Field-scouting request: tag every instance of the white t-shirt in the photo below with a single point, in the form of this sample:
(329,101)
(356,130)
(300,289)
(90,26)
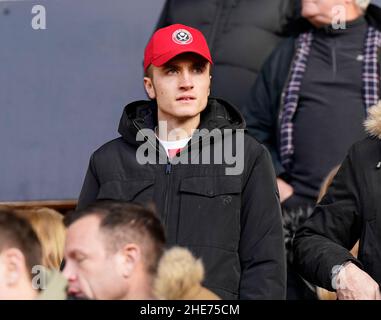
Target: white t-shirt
(173,145)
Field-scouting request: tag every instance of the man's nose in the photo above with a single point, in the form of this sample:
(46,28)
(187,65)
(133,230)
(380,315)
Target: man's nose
(68,271)
(186,80)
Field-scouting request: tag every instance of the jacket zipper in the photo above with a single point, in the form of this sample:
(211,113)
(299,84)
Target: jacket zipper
(334,62)
(168,170)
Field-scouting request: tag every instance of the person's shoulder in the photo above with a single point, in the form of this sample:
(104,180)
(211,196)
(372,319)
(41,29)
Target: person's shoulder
(285,47)
(369,147)
(373,16)
(109,148)
(369,142)
(279,61)
(365,150)
(253,147)
(251,141)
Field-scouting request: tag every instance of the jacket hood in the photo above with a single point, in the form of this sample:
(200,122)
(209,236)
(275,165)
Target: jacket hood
(143,115)
(179,277)
(373,121)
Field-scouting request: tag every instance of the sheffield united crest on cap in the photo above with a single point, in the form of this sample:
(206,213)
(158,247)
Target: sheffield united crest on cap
(182,36)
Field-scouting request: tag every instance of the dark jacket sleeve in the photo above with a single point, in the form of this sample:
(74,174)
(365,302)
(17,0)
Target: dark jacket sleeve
(262,252)
(262,106)
(325,239)
(90,187)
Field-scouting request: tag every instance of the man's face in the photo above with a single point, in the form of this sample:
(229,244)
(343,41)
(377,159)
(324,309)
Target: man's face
(3,277)
(180,87)
(319,12)
(91,271)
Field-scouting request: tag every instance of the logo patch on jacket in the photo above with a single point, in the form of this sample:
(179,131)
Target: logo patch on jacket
(226,200)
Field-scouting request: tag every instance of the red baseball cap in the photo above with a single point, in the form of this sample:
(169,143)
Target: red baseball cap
(168,42)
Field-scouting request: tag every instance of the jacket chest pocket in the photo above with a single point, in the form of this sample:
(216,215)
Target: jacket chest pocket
(140,191)
(210,211)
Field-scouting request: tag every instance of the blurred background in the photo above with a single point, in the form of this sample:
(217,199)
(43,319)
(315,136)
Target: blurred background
(63,89)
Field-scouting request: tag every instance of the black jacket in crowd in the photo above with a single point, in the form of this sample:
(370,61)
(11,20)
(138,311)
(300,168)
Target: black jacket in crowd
(350,211)
(240,34)
(262,111)
(233,222)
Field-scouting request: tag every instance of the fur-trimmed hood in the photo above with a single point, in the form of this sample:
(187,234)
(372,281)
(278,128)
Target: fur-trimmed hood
(179,277)
(373,121)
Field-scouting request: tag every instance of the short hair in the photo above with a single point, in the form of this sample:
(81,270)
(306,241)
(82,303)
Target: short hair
(148,73)
(50,230)
(16,232)
(125,222)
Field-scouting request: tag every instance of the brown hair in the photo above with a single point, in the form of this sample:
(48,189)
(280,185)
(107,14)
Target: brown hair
(16,232)
(148,73)
(125,222)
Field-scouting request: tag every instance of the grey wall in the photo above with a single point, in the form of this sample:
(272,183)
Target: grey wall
(62,90)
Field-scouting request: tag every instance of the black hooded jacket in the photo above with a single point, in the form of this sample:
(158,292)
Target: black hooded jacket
(231,221)
(350,211)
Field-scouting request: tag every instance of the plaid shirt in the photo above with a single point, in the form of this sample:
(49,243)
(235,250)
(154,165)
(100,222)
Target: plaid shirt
(370,80)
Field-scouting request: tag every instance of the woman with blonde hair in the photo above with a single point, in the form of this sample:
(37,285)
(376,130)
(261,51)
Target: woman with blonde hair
(48,225)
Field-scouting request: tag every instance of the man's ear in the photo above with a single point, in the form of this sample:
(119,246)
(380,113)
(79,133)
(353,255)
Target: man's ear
(210,84)
(148,86)
(14,265)
(129,258)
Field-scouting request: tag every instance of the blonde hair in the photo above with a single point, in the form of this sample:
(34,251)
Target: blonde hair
(179,277)
(372,123)
(363,4)
(327,182)
(50,230)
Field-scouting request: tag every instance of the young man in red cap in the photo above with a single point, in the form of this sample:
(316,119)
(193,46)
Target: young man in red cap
(213,186)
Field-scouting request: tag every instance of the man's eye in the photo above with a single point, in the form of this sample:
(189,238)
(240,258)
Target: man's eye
(199,69)
(171,71)
(80,259)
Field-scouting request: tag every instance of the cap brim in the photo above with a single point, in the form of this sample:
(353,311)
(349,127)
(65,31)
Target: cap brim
(161,60)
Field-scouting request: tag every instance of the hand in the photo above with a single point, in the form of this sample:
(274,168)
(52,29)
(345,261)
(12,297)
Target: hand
(285,190)
(355,284)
